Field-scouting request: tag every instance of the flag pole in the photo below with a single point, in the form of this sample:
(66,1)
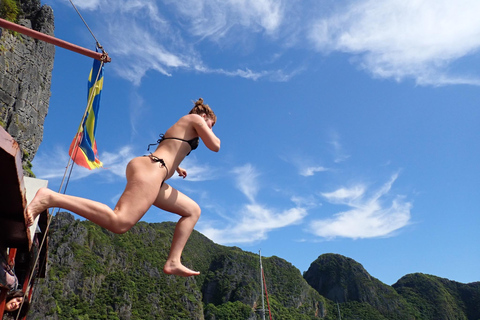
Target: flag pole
(102,56)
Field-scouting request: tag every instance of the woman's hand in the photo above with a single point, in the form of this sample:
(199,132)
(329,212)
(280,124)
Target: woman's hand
(182,172)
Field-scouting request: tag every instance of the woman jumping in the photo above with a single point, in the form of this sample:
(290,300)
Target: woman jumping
(146,186)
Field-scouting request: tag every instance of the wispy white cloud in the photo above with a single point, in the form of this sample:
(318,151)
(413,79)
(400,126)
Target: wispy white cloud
(116,162)
(144,35)
(51,165)
(310,171)
(349,196)
(338,151)
(253,221)
(304,163)
(145,8)
(139,49)
(411,39)
(246,178)
(86,4)
(368,217)
(247,74)
(136,108)
(404,38)
(215,18)
(305,201)
(197,171)
(277,75)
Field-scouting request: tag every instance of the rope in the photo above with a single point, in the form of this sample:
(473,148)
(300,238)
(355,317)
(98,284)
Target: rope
(266,293)
(69,164)
(96,41)
(65,178)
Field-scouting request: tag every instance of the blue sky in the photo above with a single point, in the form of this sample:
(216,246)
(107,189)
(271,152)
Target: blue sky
(347,126)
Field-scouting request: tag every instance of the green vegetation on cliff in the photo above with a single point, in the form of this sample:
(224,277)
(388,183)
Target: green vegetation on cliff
(9,10)
(95,274)
(437,298)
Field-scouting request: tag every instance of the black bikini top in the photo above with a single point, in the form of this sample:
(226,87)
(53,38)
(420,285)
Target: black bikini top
(193,143)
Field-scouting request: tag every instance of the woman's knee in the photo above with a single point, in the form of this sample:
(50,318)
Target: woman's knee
(121,226)
(195,211)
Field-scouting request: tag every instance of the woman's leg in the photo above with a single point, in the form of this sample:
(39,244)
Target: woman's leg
(143,184)
(172,200)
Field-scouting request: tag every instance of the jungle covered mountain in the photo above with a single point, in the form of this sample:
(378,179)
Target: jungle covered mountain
(95,274)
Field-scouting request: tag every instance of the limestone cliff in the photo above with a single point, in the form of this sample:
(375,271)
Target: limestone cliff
(415,296)
(342,280)
(95,274)
(26,68)
(439,298)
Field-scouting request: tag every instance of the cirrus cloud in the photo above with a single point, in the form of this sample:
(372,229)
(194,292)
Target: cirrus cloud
(404,38)
(368,217)
(253,221)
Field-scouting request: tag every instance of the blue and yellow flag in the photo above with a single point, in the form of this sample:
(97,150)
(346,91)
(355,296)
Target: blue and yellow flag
(85,152)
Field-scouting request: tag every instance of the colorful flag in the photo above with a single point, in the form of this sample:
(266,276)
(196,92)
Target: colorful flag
(85,152)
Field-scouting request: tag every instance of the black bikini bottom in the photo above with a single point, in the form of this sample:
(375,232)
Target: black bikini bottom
(160,160)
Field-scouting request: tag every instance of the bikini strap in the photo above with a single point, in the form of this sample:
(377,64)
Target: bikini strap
(162,137)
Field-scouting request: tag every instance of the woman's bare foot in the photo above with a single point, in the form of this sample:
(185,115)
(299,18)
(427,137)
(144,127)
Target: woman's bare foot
(39,204)
(178,269)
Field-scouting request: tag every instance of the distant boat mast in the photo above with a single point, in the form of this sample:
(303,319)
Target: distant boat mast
(261,281)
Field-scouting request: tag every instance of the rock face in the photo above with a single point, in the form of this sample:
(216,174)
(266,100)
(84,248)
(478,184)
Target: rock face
(439,298)
(89,277)
(95,274)
(414,296)
(26,68)
(338,278)
(343,280)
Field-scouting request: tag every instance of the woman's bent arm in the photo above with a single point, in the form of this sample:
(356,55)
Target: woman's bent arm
(208,137)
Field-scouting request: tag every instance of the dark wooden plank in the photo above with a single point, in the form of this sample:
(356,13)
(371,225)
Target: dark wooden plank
(13,232)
